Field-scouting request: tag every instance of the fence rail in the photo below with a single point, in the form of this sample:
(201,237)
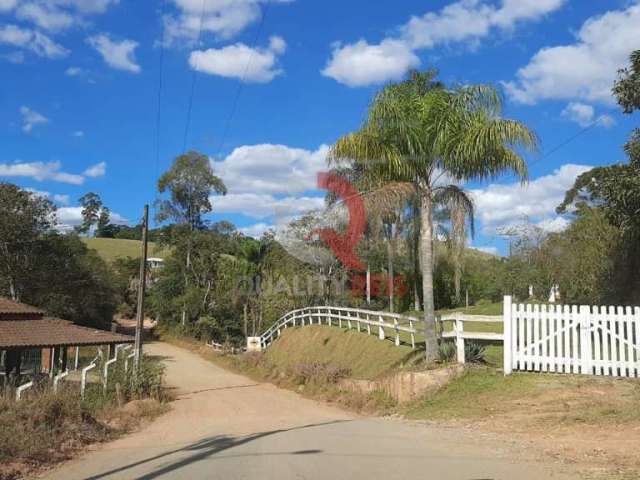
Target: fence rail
(384,324)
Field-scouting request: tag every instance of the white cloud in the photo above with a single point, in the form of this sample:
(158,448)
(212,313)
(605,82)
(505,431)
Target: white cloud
(45,16)
(117,54)
(360,64)
(78,133)
(40,171)
(240,61)
(467,21)
(271,169)
(584,115)
(471,20)
(222,18)
(502,205)
(256,230)
(31,40)
(584,70)
(55,15)
(73,71)
(58,198)
(580,113)
(256,205)
(31,118)
(69,217)
(7,5)
(97,170)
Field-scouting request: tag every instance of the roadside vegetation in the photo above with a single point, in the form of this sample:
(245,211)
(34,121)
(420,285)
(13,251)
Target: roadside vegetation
(47,427)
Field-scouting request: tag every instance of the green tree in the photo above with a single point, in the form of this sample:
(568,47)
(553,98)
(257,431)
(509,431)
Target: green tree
(103,223)
(91,204)
(415,137)
(41,267)
(24,219)
(190,183)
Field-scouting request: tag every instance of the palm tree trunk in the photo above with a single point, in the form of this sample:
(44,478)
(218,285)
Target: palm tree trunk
(368,284)
(426,253)
(390,268)
(415,241)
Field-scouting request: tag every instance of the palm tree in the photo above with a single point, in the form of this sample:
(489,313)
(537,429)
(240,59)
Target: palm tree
(422,139)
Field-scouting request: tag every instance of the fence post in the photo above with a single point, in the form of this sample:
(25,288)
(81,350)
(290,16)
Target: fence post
(413,335)
(380,328)
(77,359)
(106,372)
(22,388)
(508,336)
(586,360)
(83,381)
(57,379)
(459,338)
(395,326)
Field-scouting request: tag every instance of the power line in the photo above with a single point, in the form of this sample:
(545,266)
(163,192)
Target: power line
(234,105)
(160,86)
(194,77)
(561,145)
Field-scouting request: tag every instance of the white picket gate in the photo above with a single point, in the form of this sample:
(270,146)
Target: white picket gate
(575,339)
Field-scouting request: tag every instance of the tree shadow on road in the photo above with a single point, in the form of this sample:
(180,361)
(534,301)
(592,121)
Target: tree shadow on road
(204,449)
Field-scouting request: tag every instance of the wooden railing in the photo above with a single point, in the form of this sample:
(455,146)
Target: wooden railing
(386,325)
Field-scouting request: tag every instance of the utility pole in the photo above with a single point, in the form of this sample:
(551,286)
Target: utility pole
(141,289)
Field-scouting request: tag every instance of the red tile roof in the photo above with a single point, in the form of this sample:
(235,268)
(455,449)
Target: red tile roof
(53,332)
(10,308)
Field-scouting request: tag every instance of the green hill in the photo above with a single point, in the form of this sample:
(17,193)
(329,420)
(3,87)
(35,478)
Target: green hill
(111,248)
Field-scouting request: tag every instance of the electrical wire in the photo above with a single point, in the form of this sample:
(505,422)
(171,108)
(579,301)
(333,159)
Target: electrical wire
(194,77)
(159,102)
(234,105)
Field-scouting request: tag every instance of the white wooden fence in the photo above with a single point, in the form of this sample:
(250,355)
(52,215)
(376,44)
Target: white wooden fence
(385,325)
(591,340)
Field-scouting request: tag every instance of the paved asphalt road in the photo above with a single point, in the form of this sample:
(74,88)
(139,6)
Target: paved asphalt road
(225,426)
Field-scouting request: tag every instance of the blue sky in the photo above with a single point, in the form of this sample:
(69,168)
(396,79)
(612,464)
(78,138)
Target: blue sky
(276,82)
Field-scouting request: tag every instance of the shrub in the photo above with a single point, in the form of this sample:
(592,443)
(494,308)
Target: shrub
(474,352)
(446,351)
(316,372)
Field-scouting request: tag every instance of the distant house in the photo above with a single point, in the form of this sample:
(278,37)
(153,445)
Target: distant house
(155,262)
(31,342)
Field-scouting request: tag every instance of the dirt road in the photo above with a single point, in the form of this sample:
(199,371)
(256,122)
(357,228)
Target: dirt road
(225,426)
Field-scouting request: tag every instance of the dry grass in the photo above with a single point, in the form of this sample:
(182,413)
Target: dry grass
(45,428)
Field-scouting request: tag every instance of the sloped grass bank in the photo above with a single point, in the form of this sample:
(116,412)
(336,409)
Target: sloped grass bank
(365,356)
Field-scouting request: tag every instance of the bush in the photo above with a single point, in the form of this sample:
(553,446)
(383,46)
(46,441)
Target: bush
(446,351)
(474,352)
(316,372)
